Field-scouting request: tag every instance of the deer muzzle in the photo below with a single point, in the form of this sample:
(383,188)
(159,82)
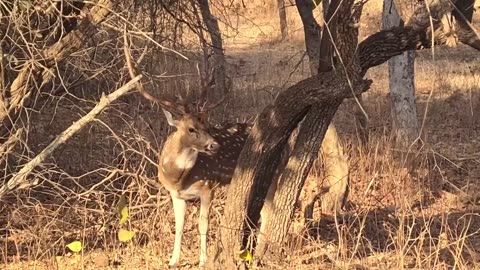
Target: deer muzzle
(211,148)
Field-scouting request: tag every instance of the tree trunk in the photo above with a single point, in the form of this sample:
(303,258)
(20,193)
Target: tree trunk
(312,33)
(218,57)
(402,86)
(262,152)
(282,13)
(311,133)
(336,164)
(335,184)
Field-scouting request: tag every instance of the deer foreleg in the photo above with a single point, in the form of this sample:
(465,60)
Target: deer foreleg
(203,225)
(179,208)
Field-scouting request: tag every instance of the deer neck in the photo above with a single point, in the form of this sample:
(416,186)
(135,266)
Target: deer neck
(176,161)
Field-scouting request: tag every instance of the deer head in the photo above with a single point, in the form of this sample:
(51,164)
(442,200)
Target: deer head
(192,126)
(193,131)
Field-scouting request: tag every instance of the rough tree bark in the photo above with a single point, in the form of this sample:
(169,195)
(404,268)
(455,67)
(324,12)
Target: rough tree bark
(282,14)
(312,32)
(402,86)
(327,60)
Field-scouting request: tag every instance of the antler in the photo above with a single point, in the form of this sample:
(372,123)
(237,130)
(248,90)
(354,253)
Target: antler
(202,104)
(168,105)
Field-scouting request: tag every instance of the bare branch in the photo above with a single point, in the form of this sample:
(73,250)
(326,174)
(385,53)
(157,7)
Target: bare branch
(20,178)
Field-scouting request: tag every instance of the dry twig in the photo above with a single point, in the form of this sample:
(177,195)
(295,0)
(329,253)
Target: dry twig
(20,179)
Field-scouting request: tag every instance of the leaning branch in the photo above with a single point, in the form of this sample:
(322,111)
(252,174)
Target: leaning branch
(20,179)
(383,45)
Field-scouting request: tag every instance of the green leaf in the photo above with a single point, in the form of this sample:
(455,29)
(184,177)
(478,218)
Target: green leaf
(246,255)
(75,246)
(125,235)
(123,215)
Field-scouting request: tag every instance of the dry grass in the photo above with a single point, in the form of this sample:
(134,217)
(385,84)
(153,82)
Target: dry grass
(425,219)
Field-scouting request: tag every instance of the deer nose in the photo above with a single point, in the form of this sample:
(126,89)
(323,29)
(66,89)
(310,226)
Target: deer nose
(212,147)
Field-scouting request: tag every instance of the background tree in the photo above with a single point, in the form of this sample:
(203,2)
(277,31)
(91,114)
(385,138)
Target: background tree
(402,85)
(218,57)
(282,14)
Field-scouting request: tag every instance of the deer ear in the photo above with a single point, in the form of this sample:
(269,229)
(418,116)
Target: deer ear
(169,117)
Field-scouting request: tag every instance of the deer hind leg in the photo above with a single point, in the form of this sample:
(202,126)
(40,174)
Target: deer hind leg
(205,203)
(179,208)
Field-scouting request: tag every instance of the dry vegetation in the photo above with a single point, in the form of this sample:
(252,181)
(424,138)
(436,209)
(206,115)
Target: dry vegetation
(425,219)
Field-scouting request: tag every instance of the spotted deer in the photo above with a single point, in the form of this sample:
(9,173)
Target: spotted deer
(195,159)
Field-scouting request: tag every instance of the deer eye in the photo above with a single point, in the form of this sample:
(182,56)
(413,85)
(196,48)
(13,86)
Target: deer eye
(192,130)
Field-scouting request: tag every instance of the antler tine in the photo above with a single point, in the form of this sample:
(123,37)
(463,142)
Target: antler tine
(168,105)
(209,107)
(131,69)
(203,87)
(182,101)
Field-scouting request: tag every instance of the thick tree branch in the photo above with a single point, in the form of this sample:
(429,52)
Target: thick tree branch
(383,45)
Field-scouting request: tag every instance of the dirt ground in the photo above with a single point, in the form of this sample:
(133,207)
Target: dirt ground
(426,219)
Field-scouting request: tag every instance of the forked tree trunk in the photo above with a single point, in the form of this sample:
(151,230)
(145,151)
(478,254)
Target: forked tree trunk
(310,136)
(282,14)
(336,164)
(321,96)
(282,197)
(402,86)
(261,155)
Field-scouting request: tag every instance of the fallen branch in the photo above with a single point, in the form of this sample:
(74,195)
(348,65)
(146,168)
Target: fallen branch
(20,179)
